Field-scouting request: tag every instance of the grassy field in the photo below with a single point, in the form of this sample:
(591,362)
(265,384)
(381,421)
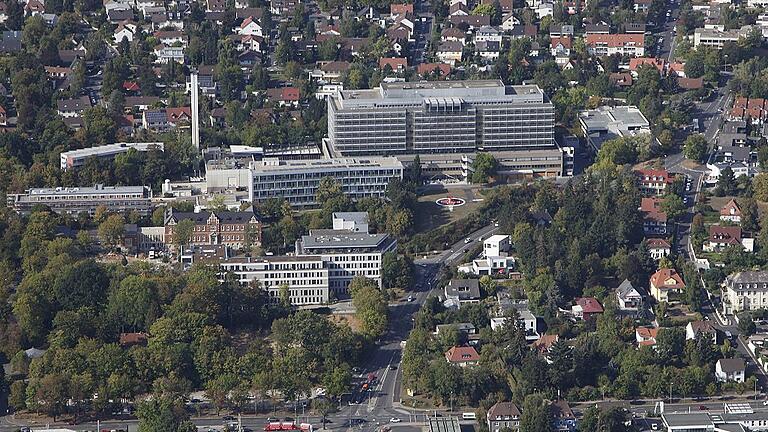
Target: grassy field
(430,215)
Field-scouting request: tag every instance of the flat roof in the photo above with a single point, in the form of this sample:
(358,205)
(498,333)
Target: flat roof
(410,94)
(272,259)
(98,189)
(275,164)
(109,148)
(687,419)
(318,239)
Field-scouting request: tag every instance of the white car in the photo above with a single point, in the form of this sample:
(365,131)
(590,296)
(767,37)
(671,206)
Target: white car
(394,420)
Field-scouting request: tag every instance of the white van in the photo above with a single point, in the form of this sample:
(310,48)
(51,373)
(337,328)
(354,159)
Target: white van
(469,416)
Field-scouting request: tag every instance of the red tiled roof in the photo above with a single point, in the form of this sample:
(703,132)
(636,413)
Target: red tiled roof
(400,9)
(396,63)
(462,354)
(647,175)
(651,207)
(726,210)
(616,40)
(722,234)
(659,278)
(657,243)
(589,305)
(427,68)
(566,41)
(179,113)
(545,342)
(635,63)
(690,83)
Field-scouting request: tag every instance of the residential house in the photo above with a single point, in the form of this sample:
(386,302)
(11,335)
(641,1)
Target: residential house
(471,21)
(171,38)
(460,291)
(179,116)
(166,54)
(654,218)
(453,34)
(629,297)
(284,96)
(560,46)
(653,182)
(664,282)
(464,328)
(156,120)
(488,33)
(621,79)
(124,30)
(526,319)
(73,107)
(721,237)
(544,344)
(458,9)
(3,116)
(586,308)
(488,50)
(450,52)
(465,356)
(137,104)
(503,415)
(731,212)
(630,44)
(637,62)
(250,27)
(441,69)
(397,65)
(509,21)
(331,72)
(646,336)
(396,9)
(695,329)
(563,419)
(495,258)
(730,370)
(658,248)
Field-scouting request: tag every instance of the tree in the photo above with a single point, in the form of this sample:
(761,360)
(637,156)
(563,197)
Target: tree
(484,167)
(536,416)
(759,186)
(695,147)
(324,407)
(673,206)
(727,182)
(749,215)
(182,232)
(619,151)
(17,396)
(370,306)
(746,324)
(112,230)
(162,414)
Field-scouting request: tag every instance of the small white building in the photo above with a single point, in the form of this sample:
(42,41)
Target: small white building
(629,297)
(730,370)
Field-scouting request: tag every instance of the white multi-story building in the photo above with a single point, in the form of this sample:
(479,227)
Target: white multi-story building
(77,158)
(747,290)
(73,201)
(717,37)
(297,180)
(348,254)
(349,249)
(306,277)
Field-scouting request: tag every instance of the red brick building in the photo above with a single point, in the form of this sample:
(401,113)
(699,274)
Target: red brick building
(217,228)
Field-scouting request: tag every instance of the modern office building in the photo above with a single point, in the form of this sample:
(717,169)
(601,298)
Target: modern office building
(77,158)
(717,37)
(73,201)
(297,180)
(439,117)
(348,253)
(306,277)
